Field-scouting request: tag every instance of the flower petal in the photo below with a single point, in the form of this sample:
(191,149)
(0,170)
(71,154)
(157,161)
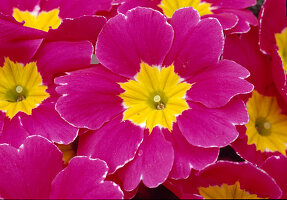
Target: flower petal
(84,178)
(28,172)
(93,104)
(116,143)
(197,43)
(45,121)
(218,84)
(187,156)
(126,40)
(13,132)
(59,57)
(69,29)
(151,164)
(205,127)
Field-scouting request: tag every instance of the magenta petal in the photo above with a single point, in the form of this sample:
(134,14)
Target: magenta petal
(28,172)
(249,152)
(245,19)
(187,156)
(10,29)
(196,45)
(205,127)
(69,29)
(60,57)
(251,178)
(267,26)
(17,42)
(11,181)
(236,4)
(215,86)
(6,6)
(84,178)
(45,121)
(93,104)
(13,132)
(276,167)
(129,4)
(244,49)
(116,143)
(125,41)
(227,20)
(152,163)
(78,8)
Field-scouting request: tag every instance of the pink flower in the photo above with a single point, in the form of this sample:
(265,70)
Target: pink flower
(165,77)
(28,97)
(45,15)
(265,133)
(35,171)
(273,40)
(226,180)
(233,15)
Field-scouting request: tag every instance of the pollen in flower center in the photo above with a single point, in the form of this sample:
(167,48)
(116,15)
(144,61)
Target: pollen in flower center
(156,97)
(38,20)
(21,88)
(267,126)
(170,6)
(262,126)
(281,41)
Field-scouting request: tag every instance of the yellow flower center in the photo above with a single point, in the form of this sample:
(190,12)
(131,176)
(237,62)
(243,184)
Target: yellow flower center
(38,20)
(281,40)
(156,97)
(226,192)
(267,127)
(170,6)
(21,88)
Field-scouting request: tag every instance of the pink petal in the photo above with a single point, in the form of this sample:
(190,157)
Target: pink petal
(45,121)
(116,143)
(187,156)
(151,164)
(244,49)
(78,8)
(268,27)
(249,152)
(69,29)
(218,84)
(6,6)
(28,172)
(84,178)
(59,57)
(251,178)
(93,104)
(129,4)
(17,42)
(236,4)
(13,132)
(126,40)
(227,20)
(205,127)
(245,19)
(276,167)
(196,45)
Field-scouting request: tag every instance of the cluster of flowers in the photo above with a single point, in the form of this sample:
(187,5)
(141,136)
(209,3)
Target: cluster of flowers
(97,96)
